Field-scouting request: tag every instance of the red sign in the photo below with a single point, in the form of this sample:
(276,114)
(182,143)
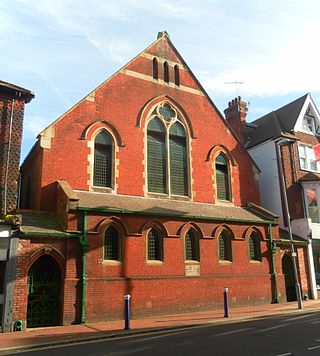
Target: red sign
(316,149)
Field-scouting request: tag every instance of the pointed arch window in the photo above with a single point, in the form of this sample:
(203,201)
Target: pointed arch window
(155,245)
(112,244)
(222,177)
(166,72)
(176,75)
(167,154)
(155,71)
(157,157)
(225,248)
(254,247)
(103,160)
(192,246)
(178,160)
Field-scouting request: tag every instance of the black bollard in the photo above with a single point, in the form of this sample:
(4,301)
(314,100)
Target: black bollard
(226,304)
(127,312)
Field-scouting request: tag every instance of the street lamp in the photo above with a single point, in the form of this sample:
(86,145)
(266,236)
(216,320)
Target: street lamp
(286,142)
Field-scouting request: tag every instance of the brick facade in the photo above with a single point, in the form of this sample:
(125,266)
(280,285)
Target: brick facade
(154,288)
(12,101)
(122,106)
(273,141)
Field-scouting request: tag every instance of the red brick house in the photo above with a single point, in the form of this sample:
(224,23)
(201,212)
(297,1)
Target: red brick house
(142,188)
(12,102)
(283,140)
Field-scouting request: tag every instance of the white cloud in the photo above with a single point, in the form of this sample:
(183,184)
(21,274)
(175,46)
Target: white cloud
(293,68)
(34,125)
(61,48)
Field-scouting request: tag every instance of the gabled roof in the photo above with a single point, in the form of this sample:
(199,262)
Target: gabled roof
(16,91)
(277,123)
(162,37)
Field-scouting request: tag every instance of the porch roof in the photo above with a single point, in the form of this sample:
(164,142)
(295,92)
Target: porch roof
(172,207)
(38,222)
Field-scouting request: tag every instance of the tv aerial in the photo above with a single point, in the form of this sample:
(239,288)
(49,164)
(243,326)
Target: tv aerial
(236,83)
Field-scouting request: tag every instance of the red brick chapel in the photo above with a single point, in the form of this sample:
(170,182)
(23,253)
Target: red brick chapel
(142,188)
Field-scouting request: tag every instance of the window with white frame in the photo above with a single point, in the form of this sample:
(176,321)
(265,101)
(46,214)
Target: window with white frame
(308,124)
(312,202)
(307,158)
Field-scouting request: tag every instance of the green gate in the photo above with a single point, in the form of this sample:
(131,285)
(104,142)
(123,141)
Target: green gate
(44,293)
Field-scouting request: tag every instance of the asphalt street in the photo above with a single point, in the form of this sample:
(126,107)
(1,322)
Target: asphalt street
(269,336)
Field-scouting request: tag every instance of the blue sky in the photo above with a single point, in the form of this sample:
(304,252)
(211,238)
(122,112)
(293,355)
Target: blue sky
(63,49)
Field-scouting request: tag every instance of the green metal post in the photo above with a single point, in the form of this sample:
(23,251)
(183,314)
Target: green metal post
(272,247)
(84,246)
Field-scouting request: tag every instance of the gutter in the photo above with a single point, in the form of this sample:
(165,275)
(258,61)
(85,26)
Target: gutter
(53,234)
(272,249)
(296,243)
(227,219)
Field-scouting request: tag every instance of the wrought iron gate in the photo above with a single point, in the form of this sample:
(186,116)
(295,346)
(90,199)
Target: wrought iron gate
(44,293)
(287,270)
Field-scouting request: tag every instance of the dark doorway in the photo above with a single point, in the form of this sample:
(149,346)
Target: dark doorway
(44,293)
(287,270)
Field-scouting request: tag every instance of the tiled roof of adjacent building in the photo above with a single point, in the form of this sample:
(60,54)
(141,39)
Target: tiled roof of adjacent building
(274,124)
(285,237)
(16,91)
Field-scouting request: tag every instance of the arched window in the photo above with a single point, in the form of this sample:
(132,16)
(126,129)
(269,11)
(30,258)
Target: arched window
(167,154)
(155,68)
(112,244)
(222,177)
(178,160)
(157,157)
(155,245)
(192,246)
(254,247)
(166,72)
(176,75)
(225,248)
(103,160)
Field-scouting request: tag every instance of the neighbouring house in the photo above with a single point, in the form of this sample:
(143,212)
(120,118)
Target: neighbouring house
(12,102)
(142,188)
(283,140)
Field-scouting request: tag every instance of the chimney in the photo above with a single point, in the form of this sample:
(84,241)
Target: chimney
(236,113)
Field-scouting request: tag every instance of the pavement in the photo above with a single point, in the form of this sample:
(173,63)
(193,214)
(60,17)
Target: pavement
(33,338)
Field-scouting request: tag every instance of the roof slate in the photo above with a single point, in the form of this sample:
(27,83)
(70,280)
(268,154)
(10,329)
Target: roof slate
(158,206)
(39,222)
